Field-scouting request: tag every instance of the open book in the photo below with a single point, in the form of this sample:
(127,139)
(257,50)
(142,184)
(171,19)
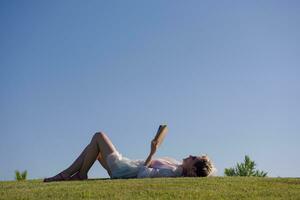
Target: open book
(160,135)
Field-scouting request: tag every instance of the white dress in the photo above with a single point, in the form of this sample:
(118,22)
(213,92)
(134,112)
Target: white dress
(122,167)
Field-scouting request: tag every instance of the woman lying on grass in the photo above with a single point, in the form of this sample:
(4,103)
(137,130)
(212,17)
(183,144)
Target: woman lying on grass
(117,166)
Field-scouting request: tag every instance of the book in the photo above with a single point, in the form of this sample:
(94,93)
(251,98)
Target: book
(160,135)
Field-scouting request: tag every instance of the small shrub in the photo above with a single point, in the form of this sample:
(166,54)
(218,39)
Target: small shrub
(20,176)
(245,169)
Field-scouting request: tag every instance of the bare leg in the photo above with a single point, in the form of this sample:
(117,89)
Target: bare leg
(100,144)
(71,170)
(103,163)
(99,147)
(76,165)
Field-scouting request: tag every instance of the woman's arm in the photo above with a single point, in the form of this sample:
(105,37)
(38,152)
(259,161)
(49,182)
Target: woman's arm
(159,137)
(154,146)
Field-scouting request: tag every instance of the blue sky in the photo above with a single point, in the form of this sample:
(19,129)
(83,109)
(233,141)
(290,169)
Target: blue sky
(224,76)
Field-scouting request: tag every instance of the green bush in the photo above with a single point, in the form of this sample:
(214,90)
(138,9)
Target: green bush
(20,176)
(245,169)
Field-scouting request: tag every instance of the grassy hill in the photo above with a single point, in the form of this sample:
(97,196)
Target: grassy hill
(157,188)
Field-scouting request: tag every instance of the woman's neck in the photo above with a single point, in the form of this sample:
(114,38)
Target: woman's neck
(182,170)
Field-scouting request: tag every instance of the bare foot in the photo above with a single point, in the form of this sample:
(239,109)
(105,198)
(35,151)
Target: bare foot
(58,177)
(77,177)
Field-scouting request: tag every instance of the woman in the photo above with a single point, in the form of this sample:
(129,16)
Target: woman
(117,166)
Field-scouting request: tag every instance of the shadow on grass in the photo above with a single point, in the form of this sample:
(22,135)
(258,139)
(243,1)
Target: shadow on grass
(98,179)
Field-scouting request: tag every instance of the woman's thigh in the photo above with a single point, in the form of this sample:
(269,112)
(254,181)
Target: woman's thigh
(105,145)
(104,164)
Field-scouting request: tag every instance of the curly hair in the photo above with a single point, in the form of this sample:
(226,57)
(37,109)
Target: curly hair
(204,167)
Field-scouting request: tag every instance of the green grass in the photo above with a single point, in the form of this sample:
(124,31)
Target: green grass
(156,188)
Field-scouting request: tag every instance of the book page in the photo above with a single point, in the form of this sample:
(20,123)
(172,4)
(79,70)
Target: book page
(160,135)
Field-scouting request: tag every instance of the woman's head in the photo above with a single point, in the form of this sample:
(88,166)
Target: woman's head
(197,166)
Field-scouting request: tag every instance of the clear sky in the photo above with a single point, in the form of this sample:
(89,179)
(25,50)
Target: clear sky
(224,76)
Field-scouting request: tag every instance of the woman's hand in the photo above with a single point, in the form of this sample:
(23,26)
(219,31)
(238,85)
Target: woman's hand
(154,146)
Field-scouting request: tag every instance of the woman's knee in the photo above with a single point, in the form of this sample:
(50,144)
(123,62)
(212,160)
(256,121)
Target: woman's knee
(104,142)
(99,135)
